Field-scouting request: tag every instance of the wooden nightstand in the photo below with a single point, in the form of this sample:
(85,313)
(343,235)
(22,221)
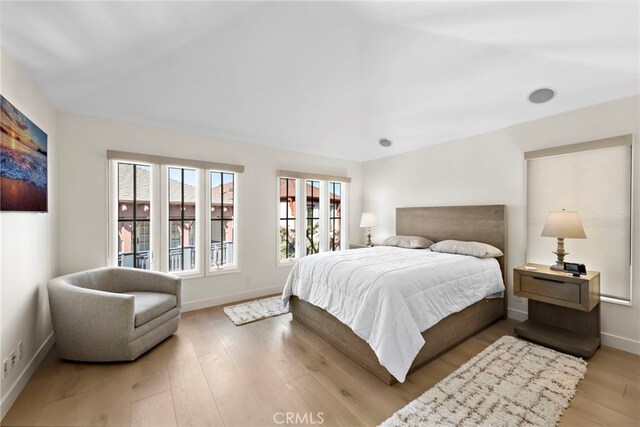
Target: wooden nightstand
(564,311)
(359,246)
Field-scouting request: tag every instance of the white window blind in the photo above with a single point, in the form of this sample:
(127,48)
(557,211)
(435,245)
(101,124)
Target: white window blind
(597,184)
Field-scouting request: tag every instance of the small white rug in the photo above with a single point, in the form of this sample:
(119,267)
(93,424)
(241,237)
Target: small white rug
(251,311)
(512,382)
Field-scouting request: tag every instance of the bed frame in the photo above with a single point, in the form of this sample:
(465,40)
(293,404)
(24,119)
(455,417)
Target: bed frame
(483,223)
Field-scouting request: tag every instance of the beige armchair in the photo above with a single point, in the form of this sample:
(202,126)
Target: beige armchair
(113,313)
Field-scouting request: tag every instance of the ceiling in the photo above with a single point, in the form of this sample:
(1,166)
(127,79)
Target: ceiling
(328,78)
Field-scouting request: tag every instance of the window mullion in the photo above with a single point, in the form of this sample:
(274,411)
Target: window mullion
(114,226)
(197,221)
(290,219)
(134,228)
(208,218)
(182,208)
(323,214)
(301,218)
(344,216)
(165,246)
(155,216)
(222,235)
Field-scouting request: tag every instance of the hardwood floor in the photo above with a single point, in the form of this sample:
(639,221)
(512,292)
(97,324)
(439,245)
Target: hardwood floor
(214,373)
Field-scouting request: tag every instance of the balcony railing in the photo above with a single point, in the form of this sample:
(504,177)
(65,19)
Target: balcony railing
(175,258)
(126,259)
(219,257)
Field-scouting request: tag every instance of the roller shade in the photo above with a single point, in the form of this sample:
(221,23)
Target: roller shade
(593,179)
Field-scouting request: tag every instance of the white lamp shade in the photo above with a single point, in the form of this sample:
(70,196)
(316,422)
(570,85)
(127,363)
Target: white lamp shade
(368,220)
(564,224)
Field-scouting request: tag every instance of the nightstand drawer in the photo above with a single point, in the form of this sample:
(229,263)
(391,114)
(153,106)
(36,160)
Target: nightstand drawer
(550,288)
(538,282)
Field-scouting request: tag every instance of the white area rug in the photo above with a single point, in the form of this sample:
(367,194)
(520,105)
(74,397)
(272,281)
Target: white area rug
(251,311)
(512,382)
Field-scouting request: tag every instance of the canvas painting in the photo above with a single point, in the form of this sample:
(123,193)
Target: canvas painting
(23,162)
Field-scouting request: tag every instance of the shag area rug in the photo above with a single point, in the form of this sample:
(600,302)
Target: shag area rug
(510,383)
(251,311)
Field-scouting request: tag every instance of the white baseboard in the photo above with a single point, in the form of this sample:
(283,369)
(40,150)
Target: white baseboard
(226,299)
(518,315)
(25,375)
(621,343)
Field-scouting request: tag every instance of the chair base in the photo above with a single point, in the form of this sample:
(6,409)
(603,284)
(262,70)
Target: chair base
(129,352)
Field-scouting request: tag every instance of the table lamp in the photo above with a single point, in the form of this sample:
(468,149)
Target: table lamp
(563,225)
(368,220)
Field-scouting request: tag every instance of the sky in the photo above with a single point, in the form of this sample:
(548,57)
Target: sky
(25,131)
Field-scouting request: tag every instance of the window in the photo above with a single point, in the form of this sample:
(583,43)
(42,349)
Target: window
(222,186)
(287,215)
(335,213)
(313,217)
(594,179)
(134,215)
(183,210)
(182,219)
(321,225)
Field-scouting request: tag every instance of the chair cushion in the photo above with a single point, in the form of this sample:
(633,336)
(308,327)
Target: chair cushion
(149,305)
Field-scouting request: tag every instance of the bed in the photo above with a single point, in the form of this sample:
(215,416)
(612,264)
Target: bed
(336,282)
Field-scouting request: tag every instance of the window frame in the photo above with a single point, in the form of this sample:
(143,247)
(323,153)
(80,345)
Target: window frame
(113,216)
(165,220)
(296,220)
(231,268)
(330,244)
(323,222)
(159,218)
(312,218)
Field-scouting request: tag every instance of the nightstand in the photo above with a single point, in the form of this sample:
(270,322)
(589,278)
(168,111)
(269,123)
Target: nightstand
(564,311)
(359,246)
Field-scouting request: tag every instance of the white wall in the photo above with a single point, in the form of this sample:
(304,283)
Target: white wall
(83,199)
(28,244)
(490,168)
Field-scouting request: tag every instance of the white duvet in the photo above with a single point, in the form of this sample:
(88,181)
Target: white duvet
(389,295)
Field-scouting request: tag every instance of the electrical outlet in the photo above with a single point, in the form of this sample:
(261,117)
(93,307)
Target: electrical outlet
(20,350)
(249,281)
(13,359)
(5,368)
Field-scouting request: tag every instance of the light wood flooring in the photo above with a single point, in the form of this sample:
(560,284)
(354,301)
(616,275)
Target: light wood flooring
(214,373)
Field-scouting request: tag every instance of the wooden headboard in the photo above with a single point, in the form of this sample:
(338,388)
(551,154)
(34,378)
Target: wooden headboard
(480,223)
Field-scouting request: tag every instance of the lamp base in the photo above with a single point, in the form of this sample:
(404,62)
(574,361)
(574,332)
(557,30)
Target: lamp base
(560,253)
(558,267)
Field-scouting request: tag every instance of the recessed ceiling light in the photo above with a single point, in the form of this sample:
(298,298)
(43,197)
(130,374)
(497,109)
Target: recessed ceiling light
(542,95)
(385,142)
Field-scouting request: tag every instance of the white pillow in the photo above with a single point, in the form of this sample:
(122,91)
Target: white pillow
(476,249)
(409,242)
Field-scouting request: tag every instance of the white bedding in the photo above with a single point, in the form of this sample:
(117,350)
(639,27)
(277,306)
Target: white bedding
(389,295)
